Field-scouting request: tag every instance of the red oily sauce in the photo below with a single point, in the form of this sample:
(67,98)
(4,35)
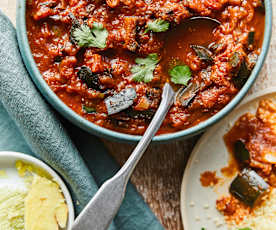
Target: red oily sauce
(209,178)
(258,133)
(233,42)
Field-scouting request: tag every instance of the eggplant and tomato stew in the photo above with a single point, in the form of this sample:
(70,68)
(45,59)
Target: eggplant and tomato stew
(92,53)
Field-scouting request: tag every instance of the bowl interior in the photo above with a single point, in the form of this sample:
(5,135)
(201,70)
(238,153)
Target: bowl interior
(7,162)
(106,133)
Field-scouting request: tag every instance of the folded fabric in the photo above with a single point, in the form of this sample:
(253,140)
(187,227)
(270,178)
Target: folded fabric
(48,140)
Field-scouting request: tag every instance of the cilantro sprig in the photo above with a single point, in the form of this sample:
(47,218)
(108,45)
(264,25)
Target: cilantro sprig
(143,71)
(90,37)
(88,109)
(180,74)
(158,25)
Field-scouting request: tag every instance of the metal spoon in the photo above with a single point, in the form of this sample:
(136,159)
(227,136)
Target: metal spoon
(206,18)
(101,210)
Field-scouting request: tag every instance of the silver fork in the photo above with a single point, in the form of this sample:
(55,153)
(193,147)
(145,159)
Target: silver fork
(101,210)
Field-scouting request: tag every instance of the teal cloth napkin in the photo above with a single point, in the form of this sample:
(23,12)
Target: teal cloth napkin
(29,125)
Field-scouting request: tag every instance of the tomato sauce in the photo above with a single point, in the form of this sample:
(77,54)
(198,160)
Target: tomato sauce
(209,178)
(59,59)
(258,133)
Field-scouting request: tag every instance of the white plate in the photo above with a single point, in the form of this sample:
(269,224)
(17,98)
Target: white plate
(198,203)
(12,180)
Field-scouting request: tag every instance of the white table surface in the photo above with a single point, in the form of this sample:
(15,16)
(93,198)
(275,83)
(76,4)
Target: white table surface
(8,6)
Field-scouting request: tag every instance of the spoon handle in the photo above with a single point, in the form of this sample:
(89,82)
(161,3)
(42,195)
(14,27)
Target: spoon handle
(101,210)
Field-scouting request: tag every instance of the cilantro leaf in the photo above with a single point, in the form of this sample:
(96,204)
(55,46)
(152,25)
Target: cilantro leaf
(180,74)
(88,109)
(87,37)
(143,71)
(157,25)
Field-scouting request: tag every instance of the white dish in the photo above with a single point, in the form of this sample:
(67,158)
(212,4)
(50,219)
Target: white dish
(198,203)
(12,180)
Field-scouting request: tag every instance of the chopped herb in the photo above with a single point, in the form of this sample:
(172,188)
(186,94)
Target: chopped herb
(251,38)
(245,229)
(235,59)
(88,109)
(157,25)
(120,101)
(143,71)
(180,74)
(84,36)
(203,53)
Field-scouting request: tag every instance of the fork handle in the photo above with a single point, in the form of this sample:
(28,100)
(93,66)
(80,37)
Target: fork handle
(101,210)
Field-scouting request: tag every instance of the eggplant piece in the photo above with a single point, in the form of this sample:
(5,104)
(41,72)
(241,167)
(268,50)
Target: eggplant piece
(91,79)
(203,53)
(261,5)
(58,59)
(186,95)
(146,115)
(248,187)
(251,38)
(235,59)
(122,122)
(241,152)
(120,101)
(75,25)
(88,110)
(213,47)
(48,4)
(242,75)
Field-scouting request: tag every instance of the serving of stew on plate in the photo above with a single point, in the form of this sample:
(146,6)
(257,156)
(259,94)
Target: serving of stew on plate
(252,145)
(109,59)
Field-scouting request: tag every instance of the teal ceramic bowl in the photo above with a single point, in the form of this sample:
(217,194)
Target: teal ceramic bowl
(116,136)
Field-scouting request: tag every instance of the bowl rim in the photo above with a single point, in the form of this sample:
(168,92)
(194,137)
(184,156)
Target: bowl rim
(92,128)
(30,159)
